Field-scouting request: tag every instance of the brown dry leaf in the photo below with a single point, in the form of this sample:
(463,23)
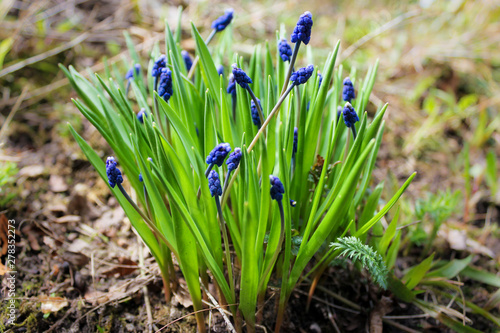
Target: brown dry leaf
(96,297)
(53,304)
(57,184)
(31,171)
(4,230)
(30,233)
(120,270)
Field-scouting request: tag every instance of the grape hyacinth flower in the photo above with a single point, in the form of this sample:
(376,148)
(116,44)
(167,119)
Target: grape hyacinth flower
(130,76)
(130,72)
(241,77)
(320,80)
(231,86)
(277,188)
(302,75)
(214,183)
(165,89)
(217,156)
(140,177)
(220,70)
(159,64)
(293,203)
(233,161)
(302,31)
(350,117)
(243,80)
(187,59)
(141,115)
(255,113)
(223,21)
(339,112)
(114,174)
(285,50)
(348,93)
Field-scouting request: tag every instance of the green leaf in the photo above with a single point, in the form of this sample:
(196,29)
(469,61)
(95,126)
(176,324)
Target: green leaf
(451,269)
(417,273)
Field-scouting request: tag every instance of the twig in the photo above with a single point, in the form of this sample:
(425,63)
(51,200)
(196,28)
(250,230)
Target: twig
(214,302)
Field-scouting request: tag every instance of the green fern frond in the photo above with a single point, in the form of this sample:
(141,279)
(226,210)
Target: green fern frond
(371,260)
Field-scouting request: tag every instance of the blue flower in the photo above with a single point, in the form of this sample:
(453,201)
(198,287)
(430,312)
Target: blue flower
(320,80)
(255,113)
(277,188)
(302,75)
(141,115)
(113,173)
(350,115)
(233,160)
(241,77)
(302,31)
(159,64)
(223,21)
(187,59)
(165,88)
(231,86)
(285,50)
(293,203)
(348,93)
(220,70)
(339,112)
(295,139)
(130,73)
(214,183)
(218,154)
(140,177)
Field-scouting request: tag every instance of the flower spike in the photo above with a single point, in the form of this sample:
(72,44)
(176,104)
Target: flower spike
(295,139)
(277,188)
(302,75)
(233,160)
(223,21)
(350,115)
(231,86)
(302,31)
(255,113)
(285,50)
(141,115)
(241,77)
(320,80)
(218,154)
(348,93)
(159,64)
(114,174)
(187,59)
(165,88)
(130,73)
(214,183)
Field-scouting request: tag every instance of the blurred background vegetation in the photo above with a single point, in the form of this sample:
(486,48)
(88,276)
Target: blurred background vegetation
(439,71)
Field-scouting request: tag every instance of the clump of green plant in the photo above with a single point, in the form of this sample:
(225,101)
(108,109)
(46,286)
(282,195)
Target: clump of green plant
(226,167)
(8,172)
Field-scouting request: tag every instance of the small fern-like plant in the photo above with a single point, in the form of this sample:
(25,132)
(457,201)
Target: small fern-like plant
(370,259)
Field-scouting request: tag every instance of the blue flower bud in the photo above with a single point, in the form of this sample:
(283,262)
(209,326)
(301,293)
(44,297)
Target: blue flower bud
(159,64)
(241,77)
(277,188)
(218,154)
(308,105)
(295,139)
(320,80)
(293,203)
(140,177)
(220,70)
(302,75)
(165,88)
(285,50)
(233,160)
(348,93)
(130,73)
(113,173)
(339,112)
(141,115)
(255,113)
(231,86)
(350,115)
(223,21)
(302,31)
(187,59)
(214,183)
